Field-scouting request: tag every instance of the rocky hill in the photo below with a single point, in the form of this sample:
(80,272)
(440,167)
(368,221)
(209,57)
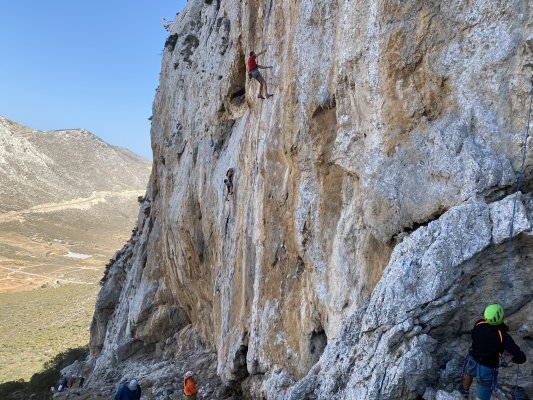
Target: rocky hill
(68,202)
(373,195)
(38,167)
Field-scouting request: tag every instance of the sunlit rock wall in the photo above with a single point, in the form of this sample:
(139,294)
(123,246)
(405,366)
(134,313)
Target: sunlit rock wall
(370,210)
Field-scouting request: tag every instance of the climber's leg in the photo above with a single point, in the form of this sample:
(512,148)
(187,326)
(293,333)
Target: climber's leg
(259,78)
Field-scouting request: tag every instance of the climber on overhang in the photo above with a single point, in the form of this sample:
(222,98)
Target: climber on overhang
(489,341)
(253,72)
(229,182)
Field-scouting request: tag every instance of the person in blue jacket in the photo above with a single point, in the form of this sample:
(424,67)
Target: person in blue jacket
(130,391)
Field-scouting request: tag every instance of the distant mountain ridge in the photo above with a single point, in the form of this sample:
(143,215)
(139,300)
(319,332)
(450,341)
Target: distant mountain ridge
(63,192)
(48,166)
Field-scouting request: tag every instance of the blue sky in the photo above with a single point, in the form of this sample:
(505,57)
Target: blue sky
(83,64)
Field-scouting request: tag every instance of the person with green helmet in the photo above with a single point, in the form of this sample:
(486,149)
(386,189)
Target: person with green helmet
(489,341)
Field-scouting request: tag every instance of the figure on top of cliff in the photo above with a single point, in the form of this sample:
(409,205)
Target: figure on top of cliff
(253,72)
(489,342)
(166,24)
(189,386)
(129,391)
(229,182)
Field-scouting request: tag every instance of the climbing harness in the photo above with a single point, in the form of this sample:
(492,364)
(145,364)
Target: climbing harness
(511,227)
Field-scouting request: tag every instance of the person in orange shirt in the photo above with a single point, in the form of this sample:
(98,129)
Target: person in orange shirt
(189,387)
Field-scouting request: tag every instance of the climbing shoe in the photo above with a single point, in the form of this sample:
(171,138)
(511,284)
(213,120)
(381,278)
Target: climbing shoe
(464,392)
(260,97)
(269,96)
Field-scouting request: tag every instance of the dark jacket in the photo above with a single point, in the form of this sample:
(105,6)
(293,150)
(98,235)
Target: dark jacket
(490,341)
(124,393)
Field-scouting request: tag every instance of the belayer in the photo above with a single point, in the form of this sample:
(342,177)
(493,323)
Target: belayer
(129,391)
(489,341)
(190,390)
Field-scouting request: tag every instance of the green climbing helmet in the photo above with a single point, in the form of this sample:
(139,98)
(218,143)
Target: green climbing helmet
(494,314)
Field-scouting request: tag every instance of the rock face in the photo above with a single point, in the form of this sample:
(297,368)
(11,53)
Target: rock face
(372,201)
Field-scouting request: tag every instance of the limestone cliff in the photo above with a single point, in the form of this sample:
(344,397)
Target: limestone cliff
(372,201)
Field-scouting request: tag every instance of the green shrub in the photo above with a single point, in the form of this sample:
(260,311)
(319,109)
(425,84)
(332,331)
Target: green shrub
(40,383)
(170,43)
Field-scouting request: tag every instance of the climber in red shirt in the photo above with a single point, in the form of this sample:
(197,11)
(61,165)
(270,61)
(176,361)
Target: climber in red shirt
(253,72)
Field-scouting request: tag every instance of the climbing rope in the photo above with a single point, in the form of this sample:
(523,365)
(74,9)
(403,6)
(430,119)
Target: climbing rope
(511,227)
(515,390)
(518,184)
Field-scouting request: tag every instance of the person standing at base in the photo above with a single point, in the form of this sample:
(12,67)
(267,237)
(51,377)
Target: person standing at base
(253,72)
(489,341)
(63,385)
(130,391)
(189,386)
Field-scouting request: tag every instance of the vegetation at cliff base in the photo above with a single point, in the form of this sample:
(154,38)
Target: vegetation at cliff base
(40,383)
(36,325)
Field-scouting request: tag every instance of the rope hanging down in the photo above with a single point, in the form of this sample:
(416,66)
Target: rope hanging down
(515,390)
(511,227)
(518,184)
